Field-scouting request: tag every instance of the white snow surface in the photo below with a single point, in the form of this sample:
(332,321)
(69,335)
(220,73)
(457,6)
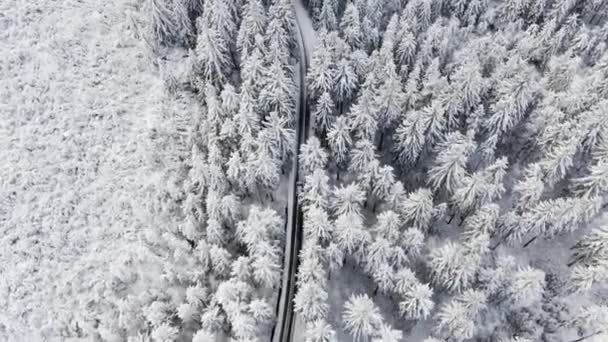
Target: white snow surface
(306,27)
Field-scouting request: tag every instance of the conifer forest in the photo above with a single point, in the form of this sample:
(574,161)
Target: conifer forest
(304,170)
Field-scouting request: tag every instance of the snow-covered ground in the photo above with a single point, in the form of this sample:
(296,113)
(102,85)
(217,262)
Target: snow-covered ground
(78,100)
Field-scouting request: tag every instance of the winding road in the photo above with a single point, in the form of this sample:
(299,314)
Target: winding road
(283,329)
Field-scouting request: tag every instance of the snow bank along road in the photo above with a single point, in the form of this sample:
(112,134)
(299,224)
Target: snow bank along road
(282,331)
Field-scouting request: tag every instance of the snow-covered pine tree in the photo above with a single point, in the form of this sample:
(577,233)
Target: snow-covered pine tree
(213,51)
(339,139)
(350,25)
(361,317)
(417,302)
(317,226)
(169,22)
(449,166)
(277,92)
(320,331)
(312,156)
(346,82)
(592,248)
(323,113)
(553,217)
(456,319)
(529,189)
(348,200)
(254,23)
(363,115)
(350,234)
(311,301)
(455,265)
(321,75)
(417,208)
(481,187)
(326,17)
(277,137)
(526,287)
(316,190)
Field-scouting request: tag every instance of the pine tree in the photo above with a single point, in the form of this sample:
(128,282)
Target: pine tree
(335,256)
(417,208)
(530,188)
(417,302)
(404,280)
(321,75)
(527,286)
(412,241)
(316,224)
(326,18)
(553,217)
(212,52)
(449,166)
(383,277)
(388,334)
(595,183)
(592,248)
(320,331)
(361,317)
(323,114)
(277,137)
(266,170)
(456,319)
(345,82)
(350,25)
(348,199)
(483,221)
(515,91)
(316,190)
(406,47)
(169,22)
(350,234)
(388,225)
(390,96)
(312,156)
(363,155)
(311,301)
(582,278)
(481,187)
(278,90)
(261,311)
(363,116)
(454,266)
(203,336)
(254,23)
(339,139)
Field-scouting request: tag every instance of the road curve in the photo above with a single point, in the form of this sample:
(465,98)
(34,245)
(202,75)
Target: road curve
(283,329)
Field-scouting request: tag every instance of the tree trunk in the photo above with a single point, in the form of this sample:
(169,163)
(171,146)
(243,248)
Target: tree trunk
(571,263)
(503,239)
(451,218)
(530,241)
(588,336)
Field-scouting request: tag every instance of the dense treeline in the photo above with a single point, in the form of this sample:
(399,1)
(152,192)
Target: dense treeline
(454,138)
(227,246)
(454,143)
